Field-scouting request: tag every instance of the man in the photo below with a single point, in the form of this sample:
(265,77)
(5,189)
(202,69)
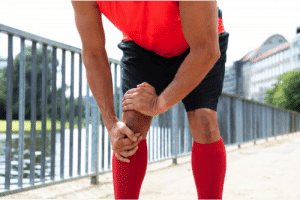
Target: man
(172,51)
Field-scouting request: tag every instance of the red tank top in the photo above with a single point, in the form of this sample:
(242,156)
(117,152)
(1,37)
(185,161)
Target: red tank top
(153,25)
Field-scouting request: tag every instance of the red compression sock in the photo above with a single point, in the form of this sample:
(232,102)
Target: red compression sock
(209,168)
(128,177)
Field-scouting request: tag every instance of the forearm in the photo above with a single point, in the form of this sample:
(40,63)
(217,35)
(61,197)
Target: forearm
(189,75)
(99,78)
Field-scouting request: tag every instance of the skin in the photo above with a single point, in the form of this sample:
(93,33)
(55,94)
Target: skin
(141,104)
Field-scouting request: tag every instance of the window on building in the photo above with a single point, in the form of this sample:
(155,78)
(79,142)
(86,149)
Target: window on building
(259,76)
(271,72)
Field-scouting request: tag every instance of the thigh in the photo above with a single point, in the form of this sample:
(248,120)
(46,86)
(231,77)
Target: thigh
(207,93)
(140,65)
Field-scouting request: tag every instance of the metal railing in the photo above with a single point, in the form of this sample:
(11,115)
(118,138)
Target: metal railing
(169,137)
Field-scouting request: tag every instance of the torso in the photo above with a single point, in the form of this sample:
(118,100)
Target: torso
(153,25)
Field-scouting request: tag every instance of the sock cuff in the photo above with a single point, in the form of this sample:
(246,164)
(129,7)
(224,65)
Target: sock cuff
(216,145)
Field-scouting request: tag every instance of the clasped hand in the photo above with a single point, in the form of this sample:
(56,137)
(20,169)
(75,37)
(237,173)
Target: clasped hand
(124,141)
(142,99)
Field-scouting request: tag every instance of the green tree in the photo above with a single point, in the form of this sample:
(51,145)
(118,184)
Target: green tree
(286,93)
(16,68)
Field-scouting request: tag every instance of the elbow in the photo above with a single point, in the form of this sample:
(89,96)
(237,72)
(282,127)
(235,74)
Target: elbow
(209,55)
(94,58)
(93,52)
(213,54)
(217,54)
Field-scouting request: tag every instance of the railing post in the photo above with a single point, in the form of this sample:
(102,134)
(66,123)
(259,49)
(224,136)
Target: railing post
(21,113)
(62,113)
(33,113)
(87,124)
(9,112)
(53,115)
(175,132)
(95,142)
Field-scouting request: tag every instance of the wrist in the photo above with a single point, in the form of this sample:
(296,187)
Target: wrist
(109,122)
(161,105)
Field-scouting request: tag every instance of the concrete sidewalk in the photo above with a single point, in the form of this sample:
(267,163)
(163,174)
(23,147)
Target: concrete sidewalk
(267,170)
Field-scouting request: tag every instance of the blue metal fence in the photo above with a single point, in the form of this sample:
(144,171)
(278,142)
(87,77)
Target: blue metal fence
(61,152)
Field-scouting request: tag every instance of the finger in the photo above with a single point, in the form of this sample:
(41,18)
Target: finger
(127,101)
(127,96)
(126,142)
(131,91)
(144,84)
(133,145)
(128,107)
(126,154)
(141,85)
(126,131)
(147,87)
(120,158)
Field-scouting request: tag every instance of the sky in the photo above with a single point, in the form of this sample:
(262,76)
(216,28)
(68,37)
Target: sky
(249,23)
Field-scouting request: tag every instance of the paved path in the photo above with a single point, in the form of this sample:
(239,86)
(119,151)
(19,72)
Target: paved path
(268,170)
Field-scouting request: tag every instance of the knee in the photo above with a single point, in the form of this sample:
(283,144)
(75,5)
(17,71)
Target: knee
(136,121)
(204,125)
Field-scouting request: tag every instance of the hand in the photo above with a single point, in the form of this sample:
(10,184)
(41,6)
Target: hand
(124,141)
(142,99)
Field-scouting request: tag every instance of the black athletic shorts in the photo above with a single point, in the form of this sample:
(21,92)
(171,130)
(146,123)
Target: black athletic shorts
(140,65)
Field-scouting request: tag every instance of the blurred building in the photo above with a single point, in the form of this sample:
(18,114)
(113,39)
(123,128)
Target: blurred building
(295,57)
(268,62)
(233,80)
(229,85)
(255,73)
